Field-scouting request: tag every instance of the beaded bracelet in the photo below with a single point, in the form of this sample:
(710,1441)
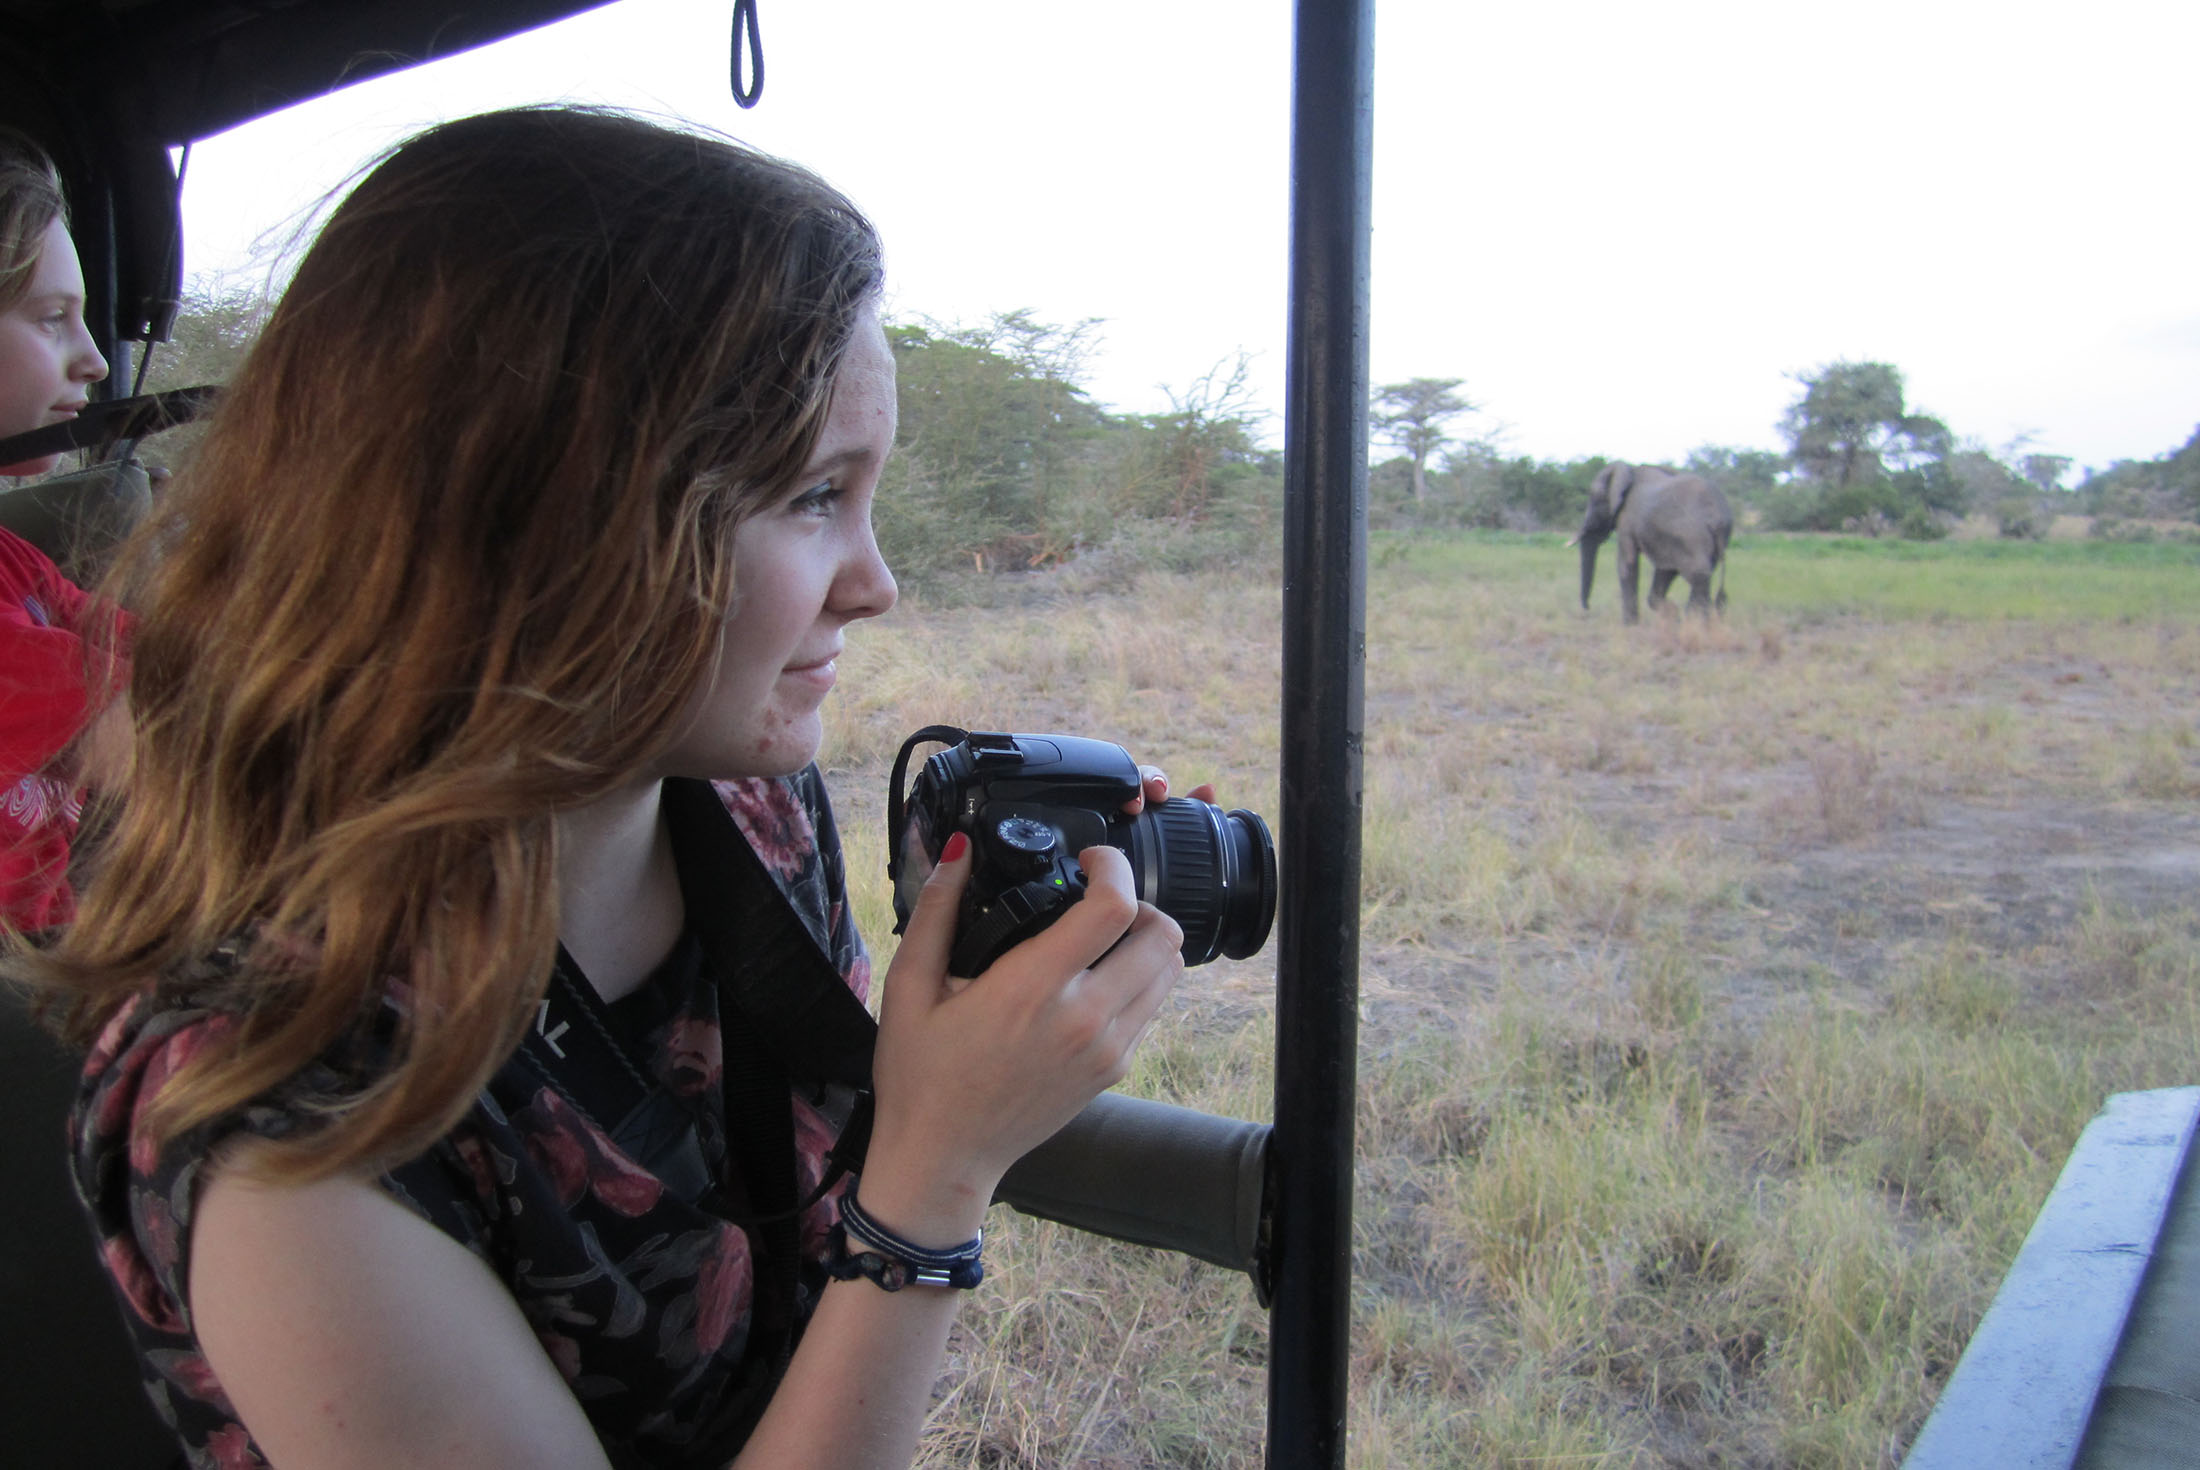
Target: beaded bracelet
(893,1262)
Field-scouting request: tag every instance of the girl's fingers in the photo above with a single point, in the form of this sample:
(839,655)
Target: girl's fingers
(1153,786)
(1151,957)
(930,933)
(1088,928)
(970,1081)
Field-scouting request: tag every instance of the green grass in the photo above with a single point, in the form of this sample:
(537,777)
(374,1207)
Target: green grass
(1782,575)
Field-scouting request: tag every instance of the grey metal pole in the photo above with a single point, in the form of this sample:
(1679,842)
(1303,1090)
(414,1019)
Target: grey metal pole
(1324,649)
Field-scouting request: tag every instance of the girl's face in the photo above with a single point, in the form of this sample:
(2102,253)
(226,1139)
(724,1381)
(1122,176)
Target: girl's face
(47,359)
(805,567)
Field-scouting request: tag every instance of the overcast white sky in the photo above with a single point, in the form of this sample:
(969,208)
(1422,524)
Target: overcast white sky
(1625,226)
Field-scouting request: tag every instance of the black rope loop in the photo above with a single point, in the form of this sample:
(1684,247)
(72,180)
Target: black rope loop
(744,19)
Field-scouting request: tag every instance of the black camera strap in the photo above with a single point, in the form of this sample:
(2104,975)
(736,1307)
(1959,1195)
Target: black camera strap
(786,1016)
(774,968)
(785,1013)
(575,1046)
(782,1003)
(897,792)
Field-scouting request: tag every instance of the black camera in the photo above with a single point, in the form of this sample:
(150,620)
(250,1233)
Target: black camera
(1030,804)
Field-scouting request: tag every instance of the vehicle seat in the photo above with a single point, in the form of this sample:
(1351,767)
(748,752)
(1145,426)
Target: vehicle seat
(79,519)
(69,1390)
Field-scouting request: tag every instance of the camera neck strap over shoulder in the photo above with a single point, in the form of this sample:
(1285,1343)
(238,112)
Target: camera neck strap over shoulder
(773,967)
(786,1012)
(774,980)
(786,1018)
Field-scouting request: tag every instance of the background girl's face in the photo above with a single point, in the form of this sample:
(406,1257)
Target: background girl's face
(805,567)
(47,359)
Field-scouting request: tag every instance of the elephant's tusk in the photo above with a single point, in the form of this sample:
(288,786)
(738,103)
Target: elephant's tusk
(1575,542)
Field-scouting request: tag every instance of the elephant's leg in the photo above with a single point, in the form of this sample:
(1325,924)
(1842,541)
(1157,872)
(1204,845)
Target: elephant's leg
(1630,576)
(1660,581)
(1699,593)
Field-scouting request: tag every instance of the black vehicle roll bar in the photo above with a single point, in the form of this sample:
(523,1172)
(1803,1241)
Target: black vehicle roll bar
(1277,1202)
(1324,652)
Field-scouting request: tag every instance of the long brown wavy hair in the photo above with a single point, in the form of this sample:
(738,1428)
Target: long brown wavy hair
(455,554)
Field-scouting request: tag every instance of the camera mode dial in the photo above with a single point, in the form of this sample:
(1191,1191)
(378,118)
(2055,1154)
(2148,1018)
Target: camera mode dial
(1026,836)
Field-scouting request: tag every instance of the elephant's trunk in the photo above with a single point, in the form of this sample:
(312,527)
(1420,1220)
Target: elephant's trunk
(1590,546)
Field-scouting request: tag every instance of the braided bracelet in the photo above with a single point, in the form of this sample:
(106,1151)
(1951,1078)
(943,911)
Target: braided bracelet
(893,1262)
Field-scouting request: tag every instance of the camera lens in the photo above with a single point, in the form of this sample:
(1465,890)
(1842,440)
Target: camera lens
(1213,872)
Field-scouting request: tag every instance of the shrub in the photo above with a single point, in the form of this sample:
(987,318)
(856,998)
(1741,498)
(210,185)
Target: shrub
(2022,518)
(1921,524)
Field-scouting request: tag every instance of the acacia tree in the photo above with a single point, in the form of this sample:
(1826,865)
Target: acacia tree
(994,406)
(992,417)
(2045,471)
(2168,485)
(1174,467)
(1003,461)
(1413,416)
(1851,423)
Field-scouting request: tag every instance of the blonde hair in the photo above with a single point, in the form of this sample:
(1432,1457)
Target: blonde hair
(30,201)
(456,553)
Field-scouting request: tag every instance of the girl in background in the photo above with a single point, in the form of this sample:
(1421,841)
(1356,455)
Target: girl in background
(48,363)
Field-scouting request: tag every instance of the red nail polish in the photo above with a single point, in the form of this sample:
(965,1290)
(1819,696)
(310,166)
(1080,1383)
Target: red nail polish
(957,845)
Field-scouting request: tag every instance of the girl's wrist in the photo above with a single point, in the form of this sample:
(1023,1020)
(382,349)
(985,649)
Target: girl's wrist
(930,1207)
(861,1246)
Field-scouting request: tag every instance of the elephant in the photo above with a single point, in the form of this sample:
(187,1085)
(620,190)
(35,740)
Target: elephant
(1681,522)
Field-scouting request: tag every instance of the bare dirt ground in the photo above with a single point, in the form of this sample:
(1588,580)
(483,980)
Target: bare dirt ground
(1854,850)
(2010,879)
(2011,876)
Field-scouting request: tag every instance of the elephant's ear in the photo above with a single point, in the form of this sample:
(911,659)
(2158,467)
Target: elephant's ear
(1600,489)
(1623,480)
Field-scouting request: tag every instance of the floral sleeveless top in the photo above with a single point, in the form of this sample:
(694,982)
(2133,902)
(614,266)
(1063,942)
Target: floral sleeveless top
(640,1294)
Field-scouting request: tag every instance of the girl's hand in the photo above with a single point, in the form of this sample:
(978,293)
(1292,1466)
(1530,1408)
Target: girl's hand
(1153,785)
(971,1077)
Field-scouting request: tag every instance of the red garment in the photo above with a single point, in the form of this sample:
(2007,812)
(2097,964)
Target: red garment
(42,702)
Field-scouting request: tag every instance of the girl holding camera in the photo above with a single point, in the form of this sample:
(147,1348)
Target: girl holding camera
(454,963)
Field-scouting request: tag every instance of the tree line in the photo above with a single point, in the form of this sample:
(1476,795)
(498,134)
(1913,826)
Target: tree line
(1004,462)
(1859,458)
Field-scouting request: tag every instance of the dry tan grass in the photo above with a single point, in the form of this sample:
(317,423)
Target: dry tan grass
(1731,996)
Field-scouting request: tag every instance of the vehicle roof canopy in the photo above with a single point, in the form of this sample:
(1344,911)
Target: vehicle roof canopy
(107,87)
